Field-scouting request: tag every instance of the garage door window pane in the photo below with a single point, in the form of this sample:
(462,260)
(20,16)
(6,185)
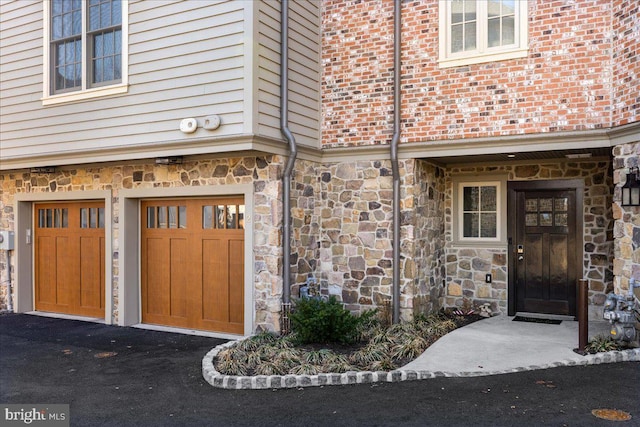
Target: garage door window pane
(90,218)
(84,218)
(207,217)
(65,217)
(241,217)
(173,217)
(151,217)
(93,218)
(57,218)
(223,217)
(182,217)
(220,216)
(53,218)
(162,217)
(232,217)
(60,218)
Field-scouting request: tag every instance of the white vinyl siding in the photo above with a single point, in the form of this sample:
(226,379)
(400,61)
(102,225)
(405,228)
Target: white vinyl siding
(304,71)
(20,59)
(185,59)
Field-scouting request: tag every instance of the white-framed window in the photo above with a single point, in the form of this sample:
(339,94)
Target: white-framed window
(479,211)
(85,49)
(477,31)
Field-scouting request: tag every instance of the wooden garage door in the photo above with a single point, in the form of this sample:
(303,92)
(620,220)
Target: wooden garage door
(69,258)
(193,263)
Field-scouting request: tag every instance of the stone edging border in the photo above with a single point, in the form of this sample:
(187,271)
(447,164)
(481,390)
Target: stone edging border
(258,382)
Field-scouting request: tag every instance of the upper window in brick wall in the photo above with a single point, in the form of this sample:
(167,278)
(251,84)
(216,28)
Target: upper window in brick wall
(476,31)
(84,51)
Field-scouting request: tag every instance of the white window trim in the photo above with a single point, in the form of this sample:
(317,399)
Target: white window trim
(501,217)
(84,93)
(483,54)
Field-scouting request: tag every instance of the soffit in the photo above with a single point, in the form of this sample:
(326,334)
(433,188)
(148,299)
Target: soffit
(525,156)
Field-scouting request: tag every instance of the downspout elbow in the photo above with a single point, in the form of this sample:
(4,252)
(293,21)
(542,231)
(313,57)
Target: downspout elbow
(293,148)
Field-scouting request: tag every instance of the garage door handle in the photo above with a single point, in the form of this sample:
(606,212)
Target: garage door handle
(520,258)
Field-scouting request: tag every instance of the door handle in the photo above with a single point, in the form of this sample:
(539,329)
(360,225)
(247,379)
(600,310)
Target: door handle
(520,258)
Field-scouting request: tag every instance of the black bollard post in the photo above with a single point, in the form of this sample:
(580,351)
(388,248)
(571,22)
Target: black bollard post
(583,316)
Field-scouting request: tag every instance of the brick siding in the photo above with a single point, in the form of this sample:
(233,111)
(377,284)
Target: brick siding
(564,84)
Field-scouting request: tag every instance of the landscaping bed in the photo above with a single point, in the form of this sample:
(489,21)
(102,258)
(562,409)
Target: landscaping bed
(370,346)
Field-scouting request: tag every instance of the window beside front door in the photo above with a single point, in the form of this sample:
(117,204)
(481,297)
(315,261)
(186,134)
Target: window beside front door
(86,50)
(478,212)
(476,31)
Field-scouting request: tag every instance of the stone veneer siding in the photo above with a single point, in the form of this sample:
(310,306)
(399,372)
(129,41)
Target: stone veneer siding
(354,216)
(466,267)
(354,209)
(342,233)
(342,227)
(341,223)
(305,239)
(626,264)
(429,253)
(263,172)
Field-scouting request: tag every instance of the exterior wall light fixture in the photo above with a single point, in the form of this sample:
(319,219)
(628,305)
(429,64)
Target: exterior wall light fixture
(631,188)
(172,160)
(44,169)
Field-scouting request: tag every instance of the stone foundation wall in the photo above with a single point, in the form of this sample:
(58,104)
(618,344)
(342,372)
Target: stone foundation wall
(342,226)
(466,267)
(4,281)
(466,270)
(305,240)
(355,213)
(626,264)
(263,172)
(429,237)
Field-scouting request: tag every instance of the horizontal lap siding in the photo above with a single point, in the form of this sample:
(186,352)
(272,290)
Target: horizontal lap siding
(20,59)
(185,60)
(304,75)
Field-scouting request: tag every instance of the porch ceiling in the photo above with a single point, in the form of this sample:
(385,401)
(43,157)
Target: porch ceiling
(524,156)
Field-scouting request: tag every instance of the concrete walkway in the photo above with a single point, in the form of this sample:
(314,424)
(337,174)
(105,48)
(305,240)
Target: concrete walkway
(499,344)
(489,347)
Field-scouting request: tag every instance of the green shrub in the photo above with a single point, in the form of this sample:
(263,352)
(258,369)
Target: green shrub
(319,321)
(318,357)
(370,354)
(601,344)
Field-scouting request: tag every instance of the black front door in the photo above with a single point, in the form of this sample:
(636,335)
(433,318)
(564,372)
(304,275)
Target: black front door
(545,246)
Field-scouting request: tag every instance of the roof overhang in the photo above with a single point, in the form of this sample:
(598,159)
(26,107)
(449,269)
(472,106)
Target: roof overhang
(575,145)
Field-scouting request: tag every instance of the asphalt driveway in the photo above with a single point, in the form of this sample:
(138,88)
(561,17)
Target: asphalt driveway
(115,376)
